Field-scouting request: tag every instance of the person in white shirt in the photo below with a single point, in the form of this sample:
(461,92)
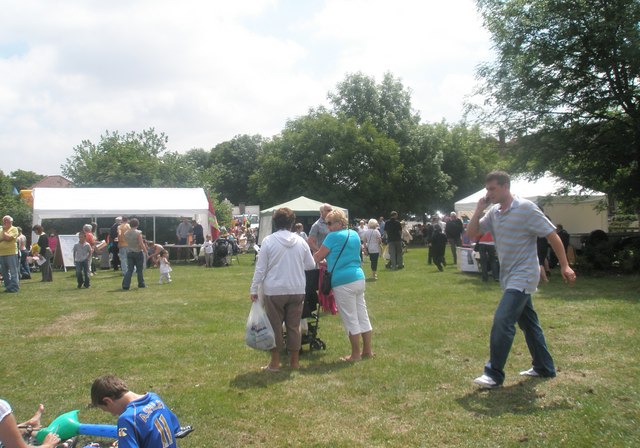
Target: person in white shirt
(10,436)
(207,246)
(284,256)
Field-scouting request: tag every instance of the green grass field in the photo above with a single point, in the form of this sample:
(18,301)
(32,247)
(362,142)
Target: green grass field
(185,341)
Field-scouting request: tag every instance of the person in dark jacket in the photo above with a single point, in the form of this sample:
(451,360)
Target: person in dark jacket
(454,229)
(393,230)
(438,245)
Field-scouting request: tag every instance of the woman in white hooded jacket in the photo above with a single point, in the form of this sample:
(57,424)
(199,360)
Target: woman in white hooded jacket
(284,256)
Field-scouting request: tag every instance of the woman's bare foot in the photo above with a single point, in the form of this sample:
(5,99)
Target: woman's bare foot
(34,421)
(350,358)
(368,355)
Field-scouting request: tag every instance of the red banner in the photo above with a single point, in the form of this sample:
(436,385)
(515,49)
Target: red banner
(213,221)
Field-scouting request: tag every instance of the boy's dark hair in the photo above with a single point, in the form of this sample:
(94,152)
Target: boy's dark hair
(134,222)
(501,177)
(107,386)
(283,218)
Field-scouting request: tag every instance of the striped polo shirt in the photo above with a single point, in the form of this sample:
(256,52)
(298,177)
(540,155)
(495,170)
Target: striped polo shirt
(515,232)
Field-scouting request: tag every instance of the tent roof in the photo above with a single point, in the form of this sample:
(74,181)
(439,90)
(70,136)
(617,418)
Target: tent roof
(80,202)
(534,190)
(302,205)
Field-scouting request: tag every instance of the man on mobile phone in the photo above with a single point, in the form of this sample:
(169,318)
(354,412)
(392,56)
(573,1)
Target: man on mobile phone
(515,223)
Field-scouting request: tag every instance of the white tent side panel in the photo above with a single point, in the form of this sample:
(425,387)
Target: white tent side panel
(577,217)
(576,214)
(50,203)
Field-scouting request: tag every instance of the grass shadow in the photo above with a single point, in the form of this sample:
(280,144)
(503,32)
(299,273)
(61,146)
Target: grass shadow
(259,379)
(521,398)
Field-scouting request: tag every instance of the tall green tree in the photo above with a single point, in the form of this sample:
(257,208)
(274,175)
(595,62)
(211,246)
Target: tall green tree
(12,205)
(566,88)
(23,180)
(332,160)
(387,105)
(128,160)
(424,185)
(232,163)
(468,155)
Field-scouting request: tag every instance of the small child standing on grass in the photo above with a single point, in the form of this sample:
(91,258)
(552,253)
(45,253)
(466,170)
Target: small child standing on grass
(165,267)
(208,251)
(81,258)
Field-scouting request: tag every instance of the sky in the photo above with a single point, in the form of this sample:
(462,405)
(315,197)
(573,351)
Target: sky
(204,71)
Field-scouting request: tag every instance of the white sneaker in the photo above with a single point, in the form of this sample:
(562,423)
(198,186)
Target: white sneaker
(486,382)
(530,372)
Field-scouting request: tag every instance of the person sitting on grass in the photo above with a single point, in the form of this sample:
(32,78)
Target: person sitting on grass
(10,432)
(144,421)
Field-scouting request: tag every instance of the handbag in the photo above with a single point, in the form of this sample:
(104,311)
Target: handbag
(325,287)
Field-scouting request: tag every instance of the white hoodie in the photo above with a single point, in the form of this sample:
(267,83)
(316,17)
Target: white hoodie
(284,256)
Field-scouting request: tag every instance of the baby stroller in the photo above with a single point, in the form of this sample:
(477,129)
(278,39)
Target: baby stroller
(221,252)
(311,313)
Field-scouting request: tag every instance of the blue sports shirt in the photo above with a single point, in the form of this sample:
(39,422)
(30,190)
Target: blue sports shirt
(147,423)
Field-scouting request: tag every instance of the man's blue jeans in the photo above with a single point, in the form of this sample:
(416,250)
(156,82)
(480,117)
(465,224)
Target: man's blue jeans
(516,306)
(135,260)
(123,258)
(10,272)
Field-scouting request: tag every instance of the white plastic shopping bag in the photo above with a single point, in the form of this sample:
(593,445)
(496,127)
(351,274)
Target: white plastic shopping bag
(259,333)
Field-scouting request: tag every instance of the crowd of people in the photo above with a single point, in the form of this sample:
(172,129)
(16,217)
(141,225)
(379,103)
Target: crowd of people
(506,236)
(127,249)
(506,231)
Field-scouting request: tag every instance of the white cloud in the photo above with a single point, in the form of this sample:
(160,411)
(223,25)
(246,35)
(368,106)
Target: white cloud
(204,71)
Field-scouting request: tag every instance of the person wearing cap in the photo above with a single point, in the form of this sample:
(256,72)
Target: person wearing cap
(9,255)
(454,229)
(393,230)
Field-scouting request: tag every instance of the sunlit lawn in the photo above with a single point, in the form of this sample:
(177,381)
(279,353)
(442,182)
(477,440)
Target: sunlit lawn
(185,341)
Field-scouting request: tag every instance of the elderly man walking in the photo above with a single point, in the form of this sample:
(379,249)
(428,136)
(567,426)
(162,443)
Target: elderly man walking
(9,255)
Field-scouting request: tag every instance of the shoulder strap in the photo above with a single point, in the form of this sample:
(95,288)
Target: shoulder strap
(343,246)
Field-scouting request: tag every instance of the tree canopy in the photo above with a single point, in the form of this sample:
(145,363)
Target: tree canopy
(565,87)
(135,159)
(369,153)
(322,156)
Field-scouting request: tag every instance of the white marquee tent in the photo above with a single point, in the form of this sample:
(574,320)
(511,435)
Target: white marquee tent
(50,203)
(302,206)
(575,209)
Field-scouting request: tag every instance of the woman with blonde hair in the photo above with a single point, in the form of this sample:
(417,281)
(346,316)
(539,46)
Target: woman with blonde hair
(341,249)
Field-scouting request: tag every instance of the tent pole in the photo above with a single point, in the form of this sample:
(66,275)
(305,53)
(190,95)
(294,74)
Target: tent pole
(154,229)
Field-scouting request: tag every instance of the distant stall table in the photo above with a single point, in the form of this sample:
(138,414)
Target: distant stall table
(179,254)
